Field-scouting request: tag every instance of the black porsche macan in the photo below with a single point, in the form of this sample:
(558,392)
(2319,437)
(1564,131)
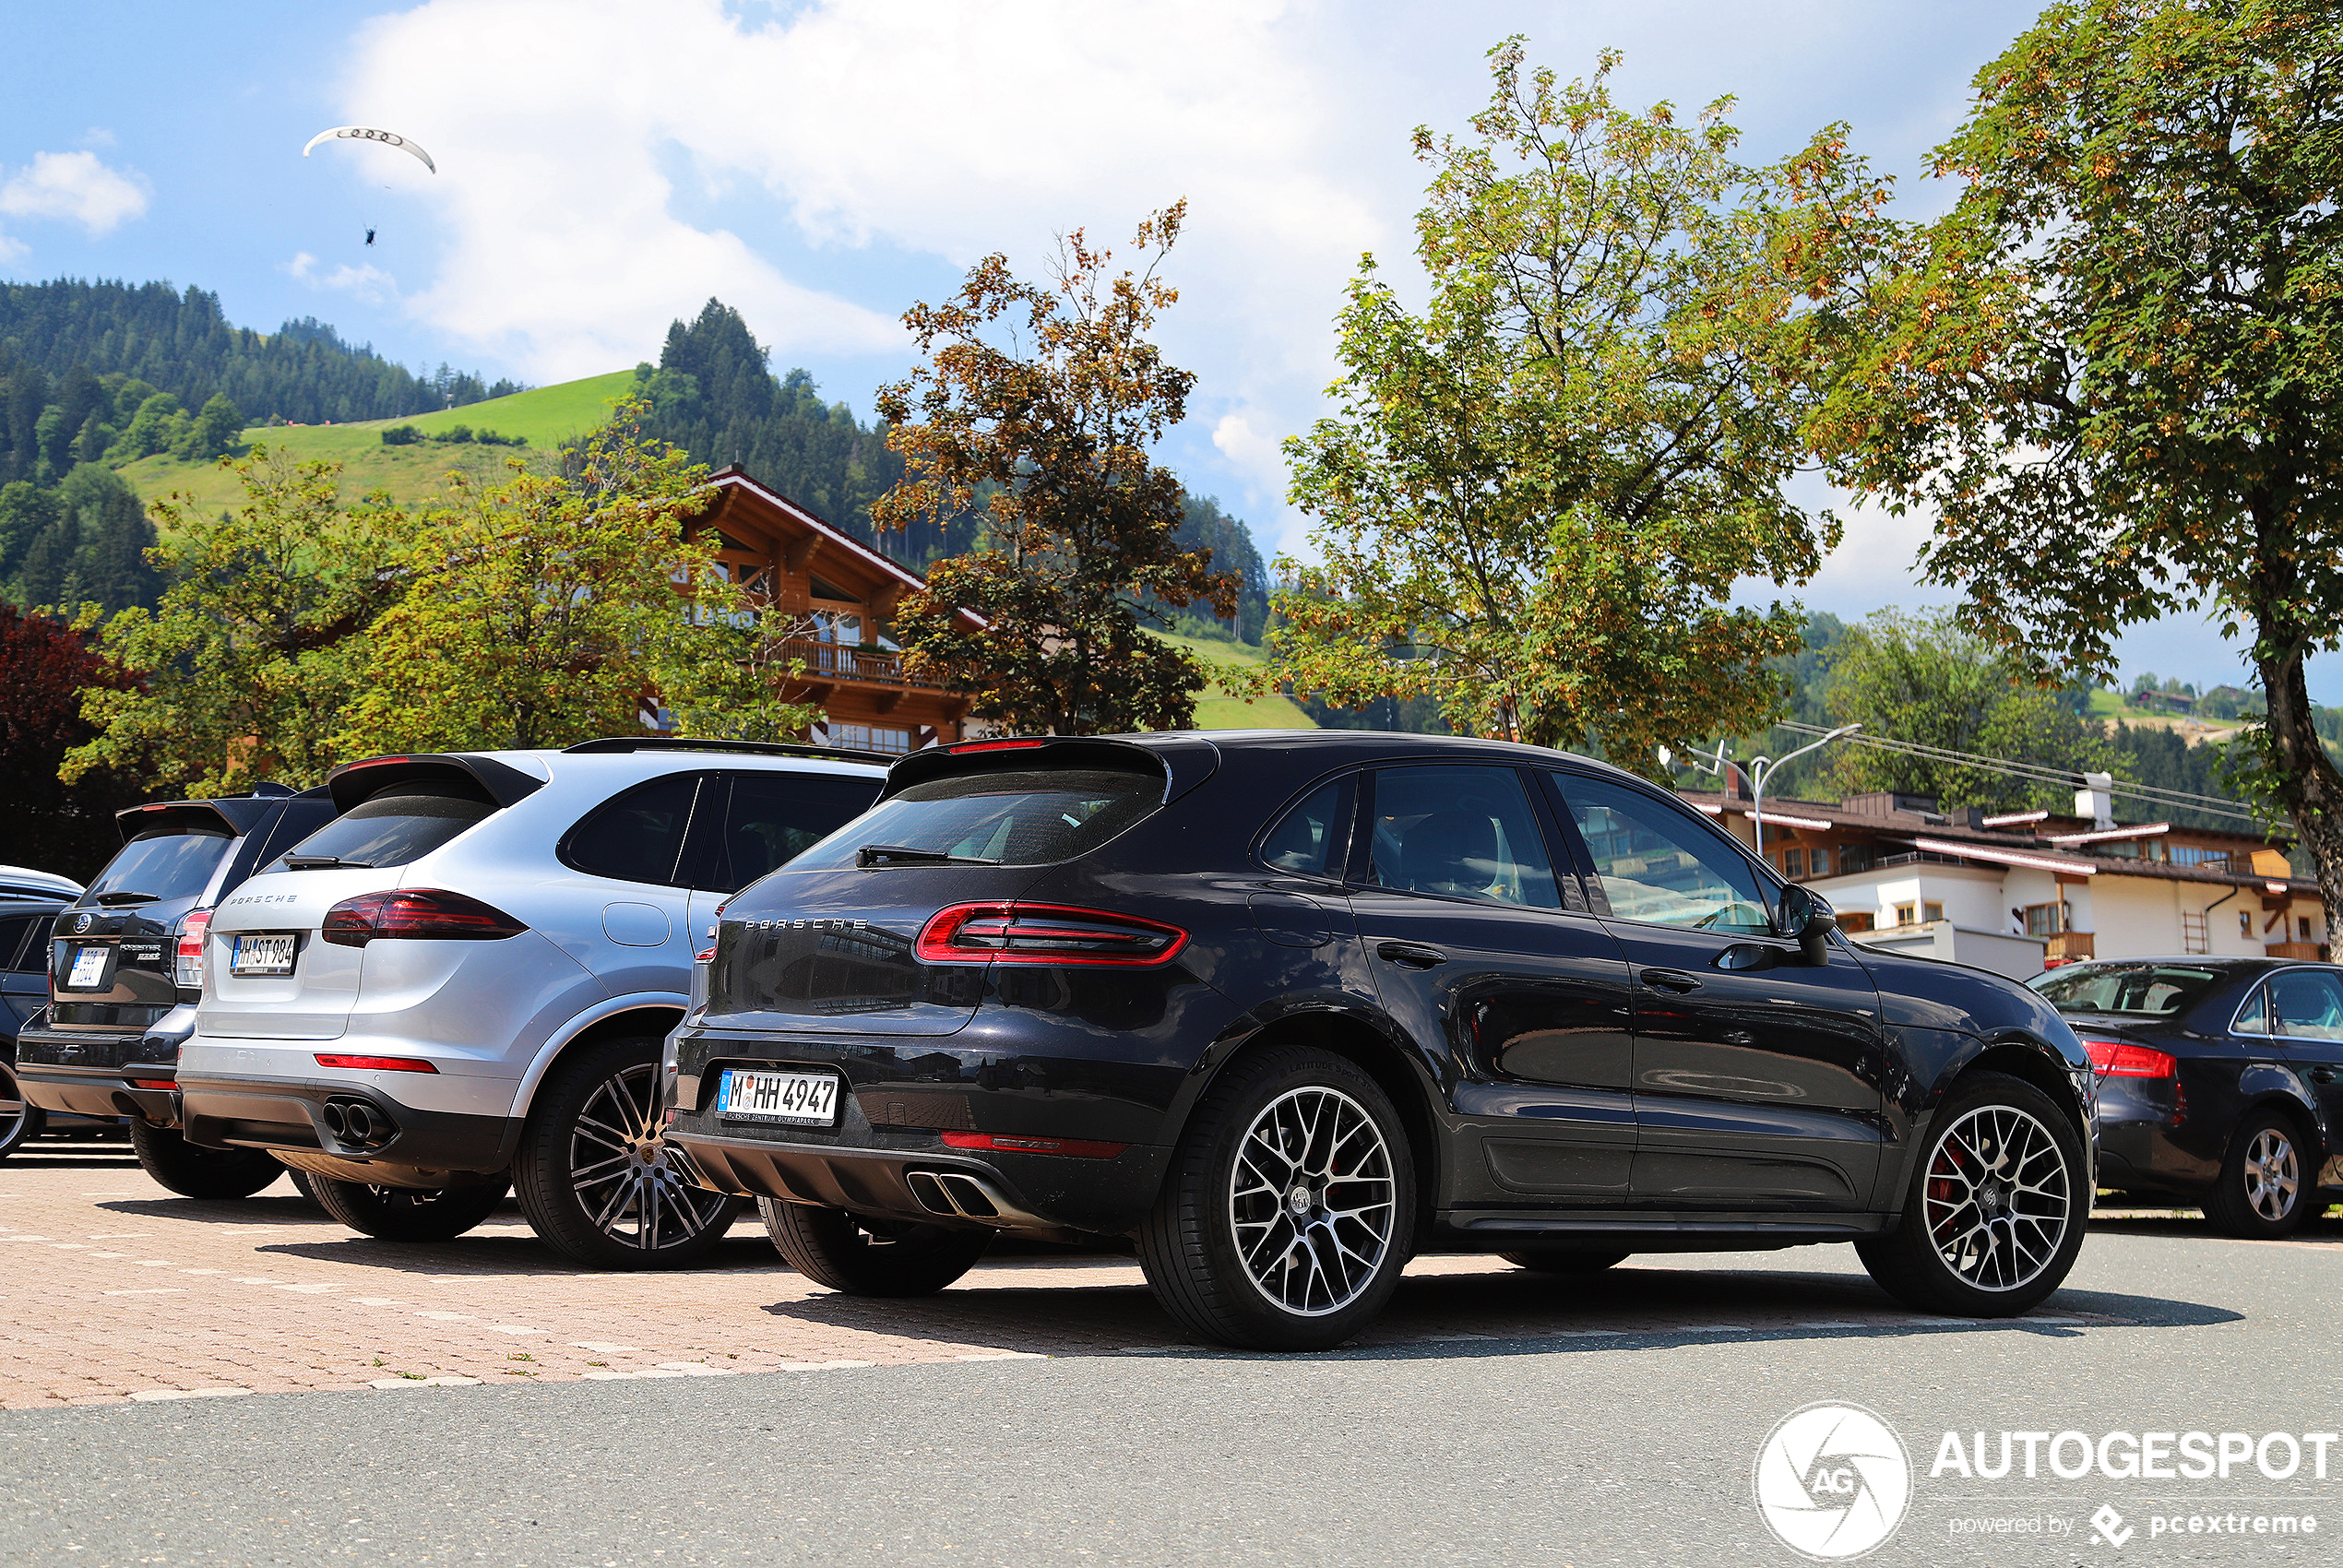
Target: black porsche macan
(1290,1008)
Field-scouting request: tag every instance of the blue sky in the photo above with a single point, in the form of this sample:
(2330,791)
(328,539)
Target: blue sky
(606,165)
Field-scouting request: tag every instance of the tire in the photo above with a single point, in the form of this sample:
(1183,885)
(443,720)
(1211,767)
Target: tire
(2266,1184)
(407,1214)
(303,1183)
(599,1183)
(871,1257)
(194,1171)
(1564,1262)
(1243,1246)
(20,1123)
(2003,1162)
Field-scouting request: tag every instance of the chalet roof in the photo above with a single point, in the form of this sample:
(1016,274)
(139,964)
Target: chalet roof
(734,485)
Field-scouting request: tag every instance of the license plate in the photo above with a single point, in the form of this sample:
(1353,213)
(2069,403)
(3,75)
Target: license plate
(261,956)
(802,1100)
(89,967)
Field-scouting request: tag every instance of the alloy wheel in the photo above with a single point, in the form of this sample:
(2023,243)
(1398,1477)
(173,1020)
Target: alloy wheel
(2272,1174)
(1311,1197)
(1997,1198)
(635,1187)
(13,1111)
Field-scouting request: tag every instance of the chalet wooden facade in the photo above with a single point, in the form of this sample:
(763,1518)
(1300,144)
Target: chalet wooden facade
(839,595)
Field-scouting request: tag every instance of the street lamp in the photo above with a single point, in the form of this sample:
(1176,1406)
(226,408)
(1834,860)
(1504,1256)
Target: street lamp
(1759,768)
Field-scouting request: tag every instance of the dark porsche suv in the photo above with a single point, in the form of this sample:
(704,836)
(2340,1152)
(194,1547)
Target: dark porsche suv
(1289,1008)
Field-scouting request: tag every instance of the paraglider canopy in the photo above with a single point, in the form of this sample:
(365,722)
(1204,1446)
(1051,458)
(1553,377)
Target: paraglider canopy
(363,133)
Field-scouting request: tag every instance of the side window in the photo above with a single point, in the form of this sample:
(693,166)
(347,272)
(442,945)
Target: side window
(636,837)
(2253,1018)
(1309,839)
(1654,866)
(13,931)
(773,816)
(1460,832)
(2306,1004)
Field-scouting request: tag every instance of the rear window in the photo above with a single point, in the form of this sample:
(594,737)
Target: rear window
(1011,819)
(391,830)
(2146,990)
(163,863)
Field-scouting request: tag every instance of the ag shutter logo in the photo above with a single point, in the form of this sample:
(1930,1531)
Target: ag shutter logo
(1832,1482)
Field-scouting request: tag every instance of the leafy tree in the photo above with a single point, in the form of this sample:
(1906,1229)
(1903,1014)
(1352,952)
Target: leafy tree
(249,660)
(1539,494)
(45,669)
(545,610)
(26,512)
(215,432)
(2114,369)
(92,549)
(1922,678)
(150,430)
(1042,401)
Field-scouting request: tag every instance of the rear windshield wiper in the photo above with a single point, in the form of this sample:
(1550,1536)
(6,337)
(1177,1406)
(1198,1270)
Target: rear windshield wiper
(870,855)
(325,863)
(113,898)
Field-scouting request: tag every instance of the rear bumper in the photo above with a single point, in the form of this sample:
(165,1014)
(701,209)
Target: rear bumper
(286,1114)
(90,1072)
(1006,1192)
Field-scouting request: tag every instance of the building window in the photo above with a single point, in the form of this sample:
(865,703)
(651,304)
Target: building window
(2046,919)
(1932,912)
(2245,923)
(1818,863)
(1793,863)
(2302,928)
(1854,858)
(871,738)
(1904,913)
(1855,919)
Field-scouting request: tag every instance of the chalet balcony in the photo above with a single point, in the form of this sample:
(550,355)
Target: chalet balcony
(2068,947)
(2302,952)
(840,661)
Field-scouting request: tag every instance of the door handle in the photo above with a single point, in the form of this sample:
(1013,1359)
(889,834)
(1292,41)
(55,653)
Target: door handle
(2322,1075)
(1410,955)
(1671,979)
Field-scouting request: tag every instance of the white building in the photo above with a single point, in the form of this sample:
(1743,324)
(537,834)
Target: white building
(2030,890)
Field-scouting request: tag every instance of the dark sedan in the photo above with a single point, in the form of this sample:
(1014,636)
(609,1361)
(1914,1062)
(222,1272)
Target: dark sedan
(2220,1081)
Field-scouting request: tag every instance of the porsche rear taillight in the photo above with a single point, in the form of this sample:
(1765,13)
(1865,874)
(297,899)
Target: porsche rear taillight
(416,913)
(2121,1059)
(1013,933)
(186,964)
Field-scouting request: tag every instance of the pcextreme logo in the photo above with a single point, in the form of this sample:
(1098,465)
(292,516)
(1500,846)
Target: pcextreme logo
(1832,1481)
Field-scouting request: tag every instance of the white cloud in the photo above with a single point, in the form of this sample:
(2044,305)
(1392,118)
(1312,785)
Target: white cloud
(564,128)
(74,187)
(369,283)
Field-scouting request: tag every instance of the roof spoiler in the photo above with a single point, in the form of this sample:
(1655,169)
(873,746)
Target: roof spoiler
(1182,760)
(355,781)
(234,815)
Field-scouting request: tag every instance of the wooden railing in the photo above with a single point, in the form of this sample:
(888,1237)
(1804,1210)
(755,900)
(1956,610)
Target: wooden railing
(2302,952)
(2067,946)
(839,661)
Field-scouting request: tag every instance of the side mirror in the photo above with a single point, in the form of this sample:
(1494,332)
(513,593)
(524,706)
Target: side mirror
(1808,917)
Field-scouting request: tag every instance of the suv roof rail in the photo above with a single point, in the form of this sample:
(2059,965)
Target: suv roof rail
(753,748)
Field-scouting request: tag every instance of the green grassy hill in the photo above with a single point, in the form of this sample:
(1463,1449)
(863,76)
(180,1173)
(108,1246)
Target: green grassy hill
(2113,707)
(1218,711)
(417,474)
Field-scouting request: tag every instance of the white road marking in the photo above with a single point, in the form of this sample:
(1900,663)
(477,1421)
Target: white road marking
(149,1395)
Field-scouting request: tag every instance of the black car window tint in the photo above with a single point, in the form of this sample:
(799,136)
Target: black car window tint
(637,836)
(2306,1004)
(2253,1018)
(1460,832)
(1654,866)
(1305,838)
(395,828)
(2152,990)
(13,928)
(775,817)
(166,862)
(1021,817)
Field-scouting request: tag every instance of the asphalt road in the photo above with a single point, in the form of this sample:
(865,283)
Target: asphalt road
(1597,1449)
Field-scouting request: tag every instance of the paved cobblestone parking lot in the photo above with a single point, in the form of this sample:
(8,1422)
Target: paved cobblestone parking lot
(125,1291)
